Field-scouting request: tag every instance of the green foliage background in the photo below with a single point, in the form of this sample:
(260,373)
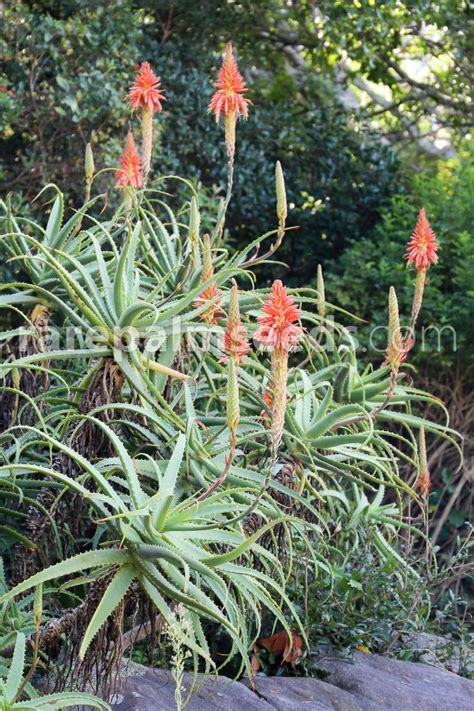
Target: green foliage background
(69,77)
(445,189)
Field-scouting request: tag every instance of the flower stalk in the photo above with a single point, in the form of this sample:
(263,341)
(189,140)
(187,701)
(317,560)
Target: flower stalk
(89,168)
(236,345)
(211,294)
(280,379)
(396,351)
(194,227)
(282,213)
(282,206)
(423,480)
(147,141)
(321,292)
(229,101)
(233,406)
(146,96)
(279,334)
(395,341)
(422,252)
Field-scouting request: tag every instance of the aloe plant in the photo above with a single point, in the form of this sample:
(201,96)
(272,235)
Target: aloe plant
(173,549)
(215,468)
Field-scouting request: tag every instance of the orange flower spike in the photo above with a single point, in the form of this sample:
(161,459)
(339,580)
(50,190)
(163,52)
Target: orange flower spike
(279,333)
(236,344)
(278,329)
(422,248)
(130,172)
(145,94)
(228,99)
(230,89)
(210,294)
(422,251)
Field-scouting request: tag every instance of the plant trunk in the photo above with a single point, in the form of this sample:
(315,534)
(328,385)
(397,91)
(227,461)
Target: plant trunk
(104,388)
(33,383)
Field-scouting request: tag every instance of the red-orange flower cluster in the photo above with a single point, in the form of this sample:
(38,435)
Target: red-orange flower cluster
(267,397)
(423,483)
(230,87)
(422,248)
(211,296)
(145,92)
(278,328)
(130,172)
(235,342)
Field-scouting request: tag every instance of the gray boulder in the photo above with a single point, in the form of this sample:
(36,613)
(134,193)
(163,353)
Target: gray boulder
(370,683)
(389,684)
(153,690)
(441,651)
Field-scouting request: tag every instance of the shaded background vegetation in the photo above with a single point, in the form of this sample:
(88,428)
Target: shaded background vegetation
(365,103)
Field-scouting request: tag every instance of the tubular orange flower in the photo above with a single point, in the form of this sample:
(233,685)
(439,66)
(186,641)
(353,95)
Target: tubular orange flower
(423,483)
(267,398)
(278,329)
(230,88)
(279,333)
(145,92)
(130,172)
(236,344)
(422,252)
(423,247)
(211,295)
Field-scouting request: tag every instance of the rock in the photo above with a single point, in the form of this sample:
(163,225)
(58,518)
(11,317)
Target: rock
(392,685)
(441,652)
(370,683)
(153,690)
(305,694)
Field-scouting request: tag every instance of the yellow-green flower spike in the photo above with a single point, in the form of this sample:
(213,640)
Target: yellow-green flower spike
(89,163)
(282,207)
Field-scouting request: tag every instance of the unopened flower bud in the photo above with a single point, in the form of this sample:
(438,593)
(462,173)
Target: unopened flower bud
(211,293)
(89,163)
(233,406)
(395,341)
(282,207)
(207,268)
(236,345)
(321,292)
(194,221)
(423,480)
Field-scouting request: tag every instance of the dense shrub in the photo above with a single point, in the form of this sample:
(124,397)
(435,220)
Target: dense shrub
(64,68)
(370,265)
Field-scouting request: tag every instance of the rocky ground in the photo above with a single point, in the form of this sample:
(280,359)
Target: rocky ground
(370,683)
